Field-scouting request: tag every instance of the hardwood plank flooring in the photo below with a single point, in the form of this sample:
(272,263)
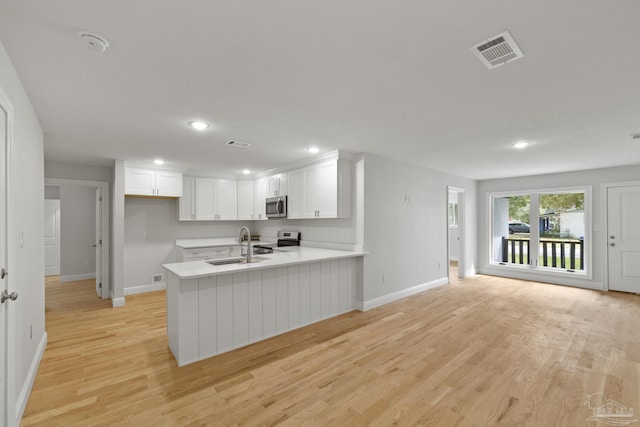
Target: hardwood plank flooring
(480,351)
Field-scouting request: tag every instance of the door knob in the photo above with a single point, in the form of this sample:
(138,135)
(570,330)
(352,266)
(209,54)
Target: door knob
(6,295)
(3,273)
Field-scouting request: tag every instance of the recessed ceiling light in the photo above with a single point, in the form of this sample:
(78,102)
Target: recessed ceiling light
(158,162)
(198,125)
(313,149)
(520,145)
(246,171)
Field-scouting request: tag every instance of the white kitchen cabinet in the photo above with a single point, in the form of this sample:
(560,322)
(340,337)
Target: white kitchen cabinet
(151,182)
(246,209)
(322,190)
(216,199)
(259,196)
(187,203)
(277,185)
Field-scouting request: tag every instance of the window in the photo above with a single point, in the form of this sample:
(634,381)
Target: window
(544,230)
(453,214)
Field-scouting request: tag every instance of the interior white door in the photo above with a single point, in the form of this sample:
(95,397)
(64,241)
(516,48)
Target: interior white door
(98,242)
(51,237)
(623,238)
(4,279)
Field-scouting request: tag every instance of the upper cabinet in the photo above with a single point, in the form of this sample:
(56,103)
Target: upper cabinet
(322,190)
(245,200)
(152,182)
(216,199)
(259,195)
(187,203)
(277,185)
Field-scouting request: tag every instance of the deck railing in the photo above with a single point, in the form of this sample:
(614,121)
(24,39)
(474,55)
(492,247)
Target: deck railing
(553,252)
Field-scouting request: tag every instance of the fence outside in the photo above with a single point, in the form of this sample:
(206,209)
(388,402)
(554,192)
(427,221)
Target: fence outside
(567,254)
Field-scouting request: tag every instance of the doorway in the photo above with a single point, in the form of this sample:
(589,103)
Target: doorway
(623,238)
(455,232)
(84,253)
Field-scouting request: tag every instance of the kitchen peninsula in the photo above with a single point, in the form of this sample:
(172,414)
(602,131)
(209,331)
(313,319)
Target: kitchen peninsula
(212,309)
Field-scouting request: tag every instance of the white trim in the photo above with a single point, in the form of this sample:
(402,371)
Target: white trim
(145,288)
(117,302)
(604,210)
(23,397)
(9,362)
(404,293)
(462,246)
(74,277)
(106,224)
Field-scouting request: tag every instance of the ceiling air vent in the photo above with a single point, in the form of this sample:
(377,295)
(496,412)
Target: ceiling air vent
(238,144)
(497,51)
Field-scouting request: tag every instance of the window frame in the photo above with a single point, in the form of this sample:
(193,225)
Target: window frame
(534,218)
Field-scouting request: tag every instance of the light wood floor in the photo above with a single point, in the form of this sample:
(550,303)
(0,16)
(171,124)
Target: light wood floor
(486,351)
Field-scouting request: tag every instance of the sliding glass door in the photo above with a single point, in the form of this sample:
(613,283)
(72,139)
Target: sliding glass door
(542,230)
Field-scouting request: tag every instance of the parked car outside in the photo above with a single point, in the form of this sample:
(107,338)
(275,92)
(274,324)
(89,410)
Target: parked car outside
(519,227)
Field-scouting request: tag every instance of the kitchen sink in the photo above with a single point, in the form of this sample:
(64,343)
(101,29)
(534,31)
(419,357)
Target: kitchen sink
(237,260)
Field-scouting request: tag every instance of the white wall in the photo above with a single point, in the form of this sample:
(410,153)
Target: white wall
(77,232)
(51,192)
(76,171)
(405,226)
(27,216)
(594,177)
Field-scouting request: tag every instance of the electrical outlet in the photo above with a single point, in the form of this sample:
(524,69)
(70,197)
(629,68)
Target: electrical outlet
(143,233)
(384,278)
(21,239)
(156,278)
(87,261)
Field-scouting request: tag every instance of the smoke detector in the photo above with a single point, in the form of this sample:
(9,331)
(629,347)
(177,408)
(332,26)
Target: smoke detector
(238,144)
(93,41)
(497,50)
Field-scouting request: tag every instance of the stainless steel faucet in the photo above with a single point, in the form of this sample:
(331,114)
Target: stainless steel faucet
(248,243)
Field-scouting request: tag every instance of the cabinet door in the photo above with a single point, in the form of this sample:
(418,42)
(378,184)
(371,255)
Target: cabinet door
(205,200)
(325,183)
(273,186)
(259,196)
(296,198)
(140,182)
(168,183)
(245,200)
(186,204)
(227,199)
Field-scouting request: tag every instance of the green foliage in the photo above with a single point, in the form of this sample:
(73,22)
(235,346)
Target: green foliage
(561,202)
(519,208)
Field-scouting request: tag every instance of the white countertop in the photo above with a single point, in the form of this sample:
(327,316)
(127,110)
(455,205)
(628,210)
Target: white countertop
(297,255)
(212,242)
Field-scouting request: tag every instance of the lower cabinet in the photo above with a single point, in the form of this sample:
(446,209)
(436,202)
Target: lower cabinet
(212,315)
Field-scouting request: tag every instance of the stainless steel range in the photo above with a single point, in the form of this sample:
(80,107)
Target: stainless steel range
(285,238)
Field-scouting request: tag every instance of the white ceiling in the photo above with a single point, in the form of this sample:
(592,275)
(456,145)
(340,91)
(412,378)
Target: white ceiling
(395,78)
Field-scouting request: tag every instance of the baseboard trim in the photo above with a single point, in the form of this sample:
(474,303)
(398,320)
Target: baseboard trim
(117,302)
(23,397)
(144,289)
(404,293)
(74,277)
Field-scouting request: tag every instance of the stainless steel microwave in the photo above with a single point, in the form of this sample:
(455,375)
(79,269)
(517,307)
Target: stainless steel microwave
(276,207)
